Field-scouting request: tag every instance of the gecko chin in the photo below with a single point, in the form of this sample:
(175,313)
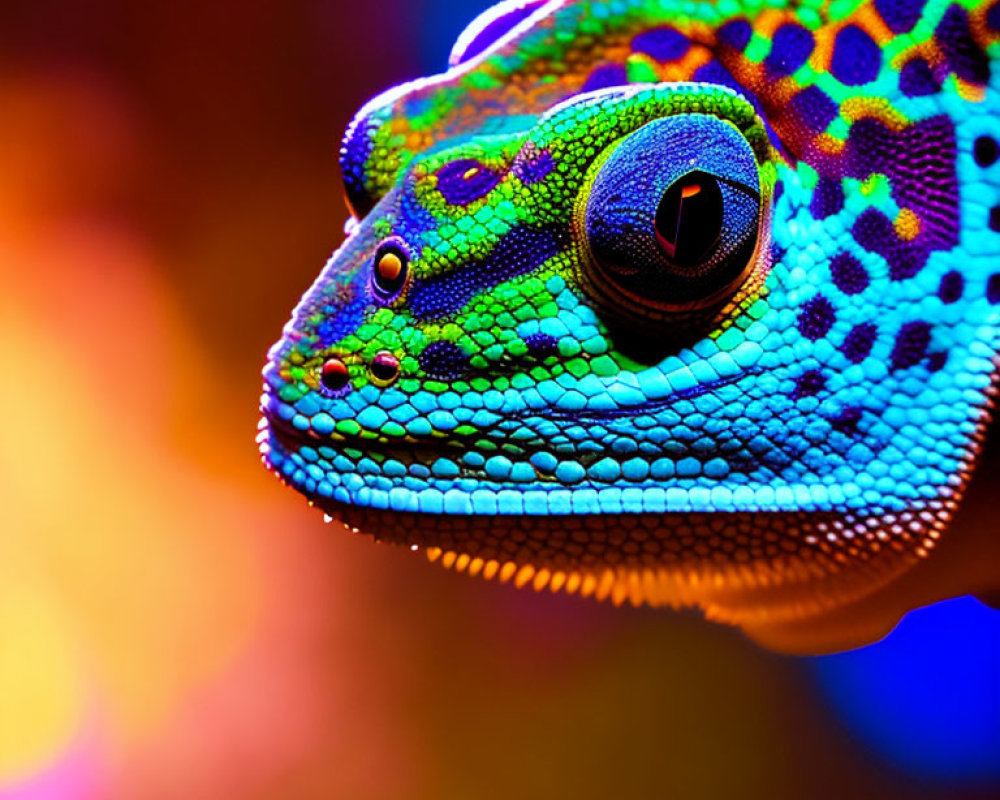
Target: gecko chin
(665,546)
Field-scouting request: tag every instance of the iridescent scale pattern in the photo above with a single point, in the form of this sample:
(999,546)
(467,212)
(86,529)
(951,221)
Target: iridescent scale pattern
(793,444)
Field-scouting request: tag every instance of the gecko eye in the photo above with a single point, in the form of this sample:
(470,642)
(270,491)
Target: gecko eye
(389,269)
(673,217)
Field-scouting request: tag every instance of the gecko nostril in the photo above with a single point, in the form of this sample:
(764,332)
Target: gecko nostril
(384,368)
(333,374)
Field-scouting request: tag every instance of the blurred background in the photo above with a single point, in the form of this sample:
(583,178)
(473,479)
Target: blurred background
(175,624)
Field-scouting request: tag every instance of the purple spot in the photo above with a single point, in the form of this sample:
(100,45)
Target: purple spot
(994,220)
(541,345)
(876,234)
(816,318)
(847,420)
(920,164)
(663,44)
(714,72)
(444,360)
(857,59)
(917,80)
(911,345)
(735,34)
(859,342)
(604,77)
(791,47)
(936,361)
(993,18)
(900,15)
(827,198)
(993,289)
(952,285)
(809,384)
(354,153)
(495,29)
(985,151)
(848,274)
(909,158)
(814,108)
(519,251)
(465,181)
(965,57)
(532,164)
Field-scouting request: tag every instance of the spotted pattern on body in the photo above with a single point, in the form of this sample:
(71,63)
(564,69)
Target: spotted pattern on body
(677,303)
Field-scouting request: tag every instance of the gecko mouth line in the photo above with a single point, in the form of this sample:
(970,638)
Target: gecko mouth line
(422,449)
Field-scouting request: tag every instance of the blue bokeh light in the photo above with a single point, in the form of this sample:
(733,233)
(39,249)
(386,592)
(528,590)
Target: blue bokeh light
(927,697)
(443,21)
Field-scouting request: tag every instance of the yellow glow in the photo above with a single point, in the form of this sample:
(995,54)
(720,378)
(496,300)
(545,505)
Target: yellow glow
(40,680)
(907,225)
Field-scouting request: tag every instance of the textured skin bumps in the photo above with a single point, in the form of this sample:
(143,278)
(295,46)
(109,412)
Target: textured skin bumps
(767,446)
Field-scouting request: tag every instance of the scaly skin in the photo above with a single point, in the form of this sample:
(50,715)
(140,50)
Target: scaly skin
(508,363)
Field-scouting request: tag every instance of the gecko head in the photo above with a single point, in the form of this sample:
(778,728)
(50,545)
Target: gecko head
(727,337)
(646,334)
(537,322)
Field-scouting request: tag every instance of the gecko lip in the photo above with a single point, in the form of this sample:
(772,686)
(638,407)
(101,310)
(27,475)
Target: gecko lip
(422,451)
(289,439)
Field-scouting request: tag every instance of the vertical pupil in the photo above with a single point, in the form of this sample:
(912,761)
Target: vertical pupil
(689,218)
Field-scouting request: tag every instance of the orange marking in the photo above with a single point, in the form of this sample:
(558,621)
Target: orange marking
(690,191)
(879,108)
(928,51)
(907,225)
(981,31)
(684,69)
(770,20)
(829,144)
(870,21)
(970,92)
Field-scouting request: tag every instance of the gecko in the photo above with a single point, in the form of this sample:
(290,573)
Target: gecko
(666,302)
